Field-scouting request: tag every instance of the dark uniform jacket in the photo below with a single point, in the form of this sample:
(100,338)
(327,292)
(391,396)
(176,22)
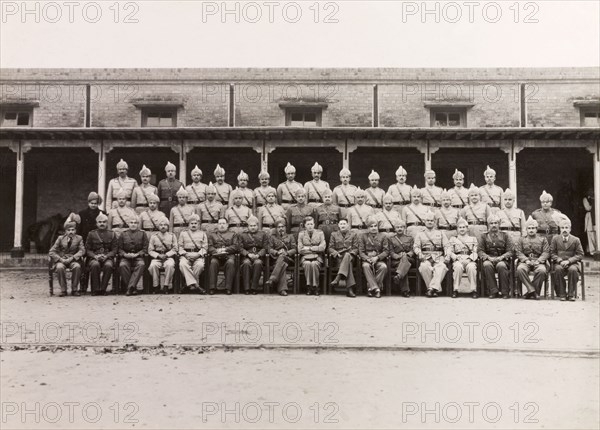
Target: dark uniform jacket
(398,244)
(167,192)
(228,240)
(328,214)
(88,221)
(533,249)
(286,242)
(295,215)
(101,242)
(133,242)
(347,241)
(495,245)
(254,243)
(63,249)
(370,246)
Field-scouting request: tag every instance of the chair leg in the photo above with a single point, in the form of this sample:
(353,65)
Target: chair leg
(582,282)
(236,278)
(266,274)
(51,283)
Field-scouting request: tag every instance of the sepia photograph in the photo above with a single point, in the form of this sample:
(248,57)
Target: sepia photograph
(306,214)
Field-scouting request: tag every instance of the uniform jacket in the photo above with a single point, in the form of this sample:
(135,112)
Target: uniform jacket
(254,243)
(193,241)
(432,196)
(446,218)
(62,248)
(430,242)
(139,196)
(162,243)
(462,246)
(101,242)
(286,242)
(491,196)
(114,185)
(371,246)
(459,197)
(533,249)
(196,193)
(495,245)
(238,215)
(398,244)
(374,197)
(413,214)
(311,188)
(476,214)
(400,194)
(210,212)
(344,241)
(385,219)
(149,220)
(260,195)
(343,195)
(295,215)
(571,250)
(167,192)
(512,219)
(306,241)
(287,194)
(180,215)
(133,242)
(120,217)
(247,197)
(270,214)
(228,240)
(547,221)
(223,191)
(357,215)
(328,214)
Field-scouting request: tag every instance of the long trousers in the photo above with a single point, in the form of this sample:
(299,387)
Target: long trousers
(311,272)
(154,269)
(228,264)
(539,276)
(278,275)
(100,274)
(401,268)
(433,275)
(61,274)
(251,271)
(374,277)
(128,277)
(460,267)
(191,270)
(503,276)
(345,268)
(572,273)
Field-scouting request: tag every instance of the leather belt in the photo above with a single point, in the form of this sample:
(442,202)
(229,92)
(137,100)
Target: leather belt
(510,229)
(143,205)
(179,224)
(447,227)
(287,201)
(326,222)
(212,221)
(549,230)
(268,225)
(151,229)
(403,202)
(409,224)
(476,223)
(435,205)
(458,206)
(386,230)
(345,205)
(242,224)
(314,201)
(376,206)
(259,205)
(166,199)
(190,249)
(360,226)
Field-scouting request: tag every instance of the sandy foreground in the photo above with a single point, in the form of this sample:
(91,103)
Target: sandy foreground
(295,362)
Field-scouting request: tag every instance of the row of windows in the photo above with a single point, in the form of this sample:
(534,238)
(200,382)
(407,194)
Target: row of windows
(294,117)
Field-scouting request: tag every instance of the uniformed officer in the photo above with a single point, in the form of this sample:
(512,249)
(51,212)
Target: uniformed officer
(297,213)
(179,217)
(167,189)
(413,214)
(403,256)
(373,250)
(139,197)
(282,248)
(311,247)
(121,182)
(495,249)
(222,188)
(260,193)
(566,252)
(430,247)
(149,219)
(512,219)
(193,247)
(197,189)
(133,246)
(431,192)
(270,212)
(254,244)
(88,215)
(237,214)
(343,249)
(374,194)
(210,210)
(462,250)
(359,212)
(476,213)
(459,194)
(343,194)
(162,248)
(119,216)
(316,188)
(66,254)
(223,245)
(101,249)
(328,215)
(388,216)
(532,251)
(247,193)
(400,191)
(286,191)
(446,216)
(547,217)
(491,194)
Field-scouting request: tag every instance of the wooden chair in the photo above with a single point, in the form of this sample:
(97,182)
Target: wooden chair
(52,270)
(267,273)
(323,285)
(551,274)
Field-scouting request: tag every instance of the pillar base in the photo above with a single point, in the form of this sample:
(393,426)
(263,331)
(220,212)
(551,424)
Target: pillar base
(18,252)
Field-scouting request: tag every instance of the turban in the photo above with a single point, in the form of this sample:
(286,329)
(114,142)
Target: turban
(428,215)
(345,172)
(474,190)
(219,171)
(280,221)
(508,193)
(289,169)
(327,192)
(429,172)
(374,175)
(564,221)
(243,176)
(401,171)
(445,194)
(416,192)
(170,166)
(493,218)
(544,197)
(388,197)
(300,191)
(271,192)
(145,171)
(236,193)
(359,192)
(264,174)
(458,174)
(94,196)
(122,194)
(72,220)
(196,170)
(371,219)
(461,221)
(194,217)
(252,220)
(531,222)
(101,217)
(210,188)
(489,171)
(153,198)
(181,192)
(122,164)
(399,222)
(164,220)
(317,168)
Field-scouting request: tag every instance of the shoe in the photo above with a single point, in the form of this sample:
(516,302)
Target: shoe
(435,293)
(405,294)
(571,298)
(228,292)
(350,292)
(128,293)
(164,290)
(308,291)
(454,294)
(396,280)
(429,293)
(253,292)
(506,296)
(563,299)
(62,294)
(247,292)
(369,293)
(268,284)
(201,291)
(499,295)
(316,291)
(211,292)
(283,293)
(76,293)
(334,283)
(377,294)
(475,295)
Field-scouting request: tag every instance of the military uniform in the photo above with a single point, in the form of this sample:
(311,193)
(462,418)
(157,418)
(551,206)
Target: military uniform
(67,247)
(229,242)
(127,184)
(532,249)
(345,245)
(327,217)
(252,243)
(459,197)
(223,191)
(196,193)
(311,247)
(162,243)
(400,195)
(210,212)
(432,196)
(432,244)
(512,221)
(287,243)
(476,215)
(445,220)
(139,197)
(374,198)
(260,195)
(496,245)
(132,242)
(413,217)
(357,217)
(403,257)
(88,221)
(268,215)
(386,220)
(247,198)
(295,215)
(119,218)
(167,192)
(314,192)
(237,218)
(100,242)
(193,247)
(149,221)
(286,193)
(566,249)
(376,245)
(179,217)
(343,196)
(548,222)
(492,196)
(463,251)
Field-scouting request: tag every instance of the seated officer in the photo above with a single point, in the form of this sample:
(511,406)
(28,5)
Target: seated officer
(196,190)
(311,246)
(358,214)
(388,217)
(399,191)
(430,247)
(88,215)
(133,246)
(373,250)
(286,191)
(66,254)
(495,249)
(476,213)
(413,213)
(210,210)
(343,248)
(316,188)
(462,249)
(162,247)
(253,247)
(459,194)
(270,212)
(374,194)
(282,248)
(403,256)
(566,253)
(223,244)
(446,216)
(343,194)
(101,248)
(491,194)
(237,214)
(297,213)
(193,247)
(139,196)
(532,251)
(119,216)
(179,217)
(431,192)
(247,193)
(328,215)
(260,193)
(149,219)
(222,188)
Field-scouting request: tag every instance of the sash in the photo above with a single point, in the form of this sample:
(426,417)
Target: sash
(104,245)
(316,191)
(220,196)
(510,220)
(182,215)
(458,194)
(430,240)
(195,193)
(473,212)
(121,216)
(362,221)
(468,247)
(490,196)
(290,192)
(151,220)
(387,218)
(374,198)
(261,195)
(193,241)
(163,243)
(435,202)
(415,214)
(270,213)
(246,198)
(208,210)
(237,214)
(400,192)
(145,196)
(346,197)
(445,219)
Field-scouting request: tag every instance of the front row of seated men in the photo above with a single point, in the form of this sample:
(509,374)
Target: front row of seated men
(431,247)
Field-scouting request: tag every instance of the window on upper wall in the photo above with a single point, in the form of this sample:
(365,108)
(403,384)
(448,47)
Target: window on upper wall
(16,117)
(448,117)
(590,117)
(303,117)
(163,117)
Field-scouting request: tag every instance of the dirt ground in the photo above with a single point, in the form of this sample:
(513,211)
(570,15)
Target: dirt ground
(295,362)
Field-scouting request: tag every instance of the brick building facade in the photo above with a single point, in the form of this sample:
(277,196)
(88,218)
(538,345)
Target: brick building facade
(63,130)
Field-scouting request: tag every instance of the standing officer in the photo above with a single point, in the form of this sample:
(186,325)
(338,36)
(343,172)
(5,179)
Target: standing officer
(413,214)
(270,212)
(139,197)
(149,219)
(462,250)
(193,247)
(358,214)
(297,213)
(120,216)
(532,251)
(491,194)
(223,244)
(430,247)
(133,246)
(388,217)
(374,193)
(121,182)
(260,193)
(400,191)
(237,215)
(373,251)
(254,244)
(432,194)
(512,219)
(167,189)
(88,215)
(311,247)
(286,191)
(343,249)
(282,248)
(547,217)
(316,188)
(180,214)
(476,213)
(459,194)
(343,194)
(101,249)
(247,193)
(222,188)
(210,210)
(495,249)
(162,247)
(66,254)
(328,215)
(446,216)
(403,256)
(196,190)
(566,253)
